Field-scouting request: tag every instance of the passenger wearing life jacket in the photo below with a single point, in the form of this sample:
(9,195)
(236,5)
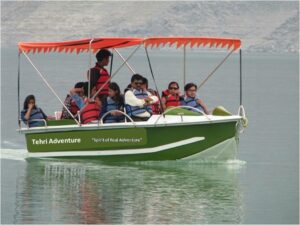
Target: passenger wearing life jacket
(190,98)
(32,115)
(91,111)
(89,108)
(99,75)
(171,96)
(137,101)
(114,101)
(155,107)
(71,104)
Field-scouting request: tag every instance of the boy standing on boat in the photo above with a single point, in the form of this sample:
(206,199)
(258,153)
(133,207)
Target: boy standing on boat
(137,103)
(99,76)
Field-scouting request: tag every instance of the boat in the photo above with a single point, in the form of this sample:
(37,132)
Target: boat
(174,134)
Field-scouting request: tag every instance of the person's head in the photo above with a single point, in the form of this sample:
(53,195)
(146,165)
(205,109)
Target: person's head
(173,88)
(136,81)
(144,83)
(190,90)
(80,85)
(102,57)
(85,86)
(98,101)
(114,90)
(30,99)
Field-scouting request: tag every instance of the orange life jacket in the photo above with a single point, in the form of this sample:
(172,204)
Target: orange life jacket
(90,112)
(171,100)
(104,76)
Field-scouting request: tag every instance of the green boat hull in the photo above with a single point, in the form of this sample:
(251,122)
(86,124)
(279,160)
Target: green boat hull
(131,143)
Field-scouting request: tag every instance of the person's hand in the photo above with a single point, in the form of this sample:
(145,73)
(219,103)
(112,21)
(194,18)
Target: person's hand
(147,101)
(30,106)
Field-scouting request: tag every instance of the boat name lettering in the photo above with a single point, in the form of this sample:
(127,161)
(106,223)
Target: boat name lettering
(117,140)
(55,141)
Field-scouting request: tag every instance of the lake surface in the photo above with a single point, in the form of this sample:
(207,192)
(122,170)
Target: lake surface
(261,185)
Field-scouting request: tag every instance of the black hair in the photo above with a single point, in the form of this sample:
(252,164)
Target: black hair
(145,81)
(26,101)
(173,82)
(115,87)
(189,85)
(102,54)
(79,85)
(136,77)
(86,88)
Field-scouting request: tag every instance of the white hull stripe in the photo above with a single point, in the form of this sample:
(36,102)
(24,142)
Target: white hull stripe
(117,152)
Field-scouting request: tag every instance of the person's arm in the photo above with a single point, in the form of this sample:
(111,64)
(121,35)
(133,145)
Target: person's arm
(28,113)
(94,77)
(78,100)
(202,105)
(164,101)
(132,100)
(151,98)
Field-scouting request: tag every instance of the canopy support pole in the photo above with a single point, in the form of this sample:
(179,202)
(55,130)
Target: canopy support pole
(120,67)
(215,69)
(127,64)
(160,101)
(184,65)
(90,66)
(111,62)
(49,86)
(241,81)
(19,74)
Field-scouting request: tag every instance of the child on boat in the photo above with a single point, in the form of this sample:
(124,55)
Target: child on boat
(89,108)
(32,115)
(71,104)
(114,101)
(155,107)
(190,98)
(99,75)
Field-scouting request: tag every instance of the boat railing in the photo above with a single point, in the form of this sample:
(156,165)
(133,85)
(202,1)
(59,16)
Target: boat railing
(180,114)
(123,113)
(32,120)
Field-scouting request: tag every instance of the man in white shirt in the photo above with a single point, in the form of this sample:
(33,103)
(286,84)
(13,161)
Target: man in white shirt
(137,102)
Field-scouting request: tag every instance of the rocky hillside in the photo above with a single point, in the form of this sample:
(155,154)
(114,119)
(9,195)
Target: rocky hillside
(263,26)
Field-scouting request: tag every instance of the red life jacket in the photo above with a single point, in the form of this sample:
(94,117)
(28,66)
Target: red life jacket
(155,108)
(104,76)
(90,112)
(171,100)
(74,108)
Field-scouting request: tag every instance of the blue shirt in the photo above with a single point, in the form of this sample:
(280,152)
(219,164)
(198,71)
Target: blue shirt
(78,100)
(36,114)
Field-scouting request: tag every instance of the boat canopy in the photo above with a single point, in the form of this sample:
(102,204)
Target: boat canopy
(120,42)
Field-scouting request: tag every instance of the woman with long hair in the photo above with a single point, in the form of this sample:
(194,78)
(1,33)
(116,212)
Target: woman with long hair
(32,115)
(114,101)
(171,96)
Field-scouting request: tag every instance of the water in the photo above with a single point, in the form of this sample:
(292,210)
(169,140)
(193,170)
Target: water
(260,186)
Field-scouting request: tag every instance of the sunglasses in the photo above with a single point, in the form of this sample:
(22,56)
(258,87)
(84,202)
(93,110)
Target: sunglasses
(173,88)
(138,83)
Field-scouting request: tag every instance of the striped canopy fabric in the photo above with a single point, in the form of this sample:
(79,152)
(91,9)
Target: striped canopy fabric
(95,44)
